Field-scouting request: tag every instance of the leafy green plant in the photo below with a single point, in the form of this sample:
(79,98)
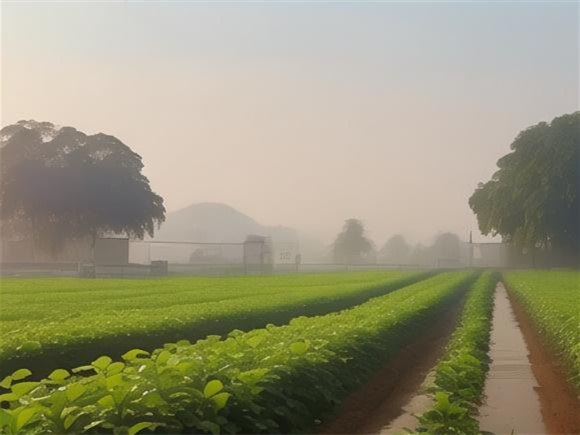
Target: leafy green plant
(460,375)
(40,317)
(278,379)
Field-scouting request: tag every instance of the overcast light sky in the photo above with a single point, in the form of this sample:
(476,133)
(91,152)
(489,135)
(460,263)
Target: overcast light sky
(301,114)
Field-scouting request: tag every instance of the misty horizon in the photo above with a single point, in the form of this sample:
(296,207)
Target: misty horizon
(391,113)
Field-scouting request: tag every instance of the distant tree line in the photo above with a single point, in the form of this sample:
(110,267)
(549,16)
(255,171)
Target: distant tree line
(58,184)
(351,246)
(532,199)
(444,251)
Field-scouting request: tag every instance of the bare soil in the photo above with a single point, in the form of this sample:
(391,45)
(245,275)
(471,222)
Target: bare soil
(381,400)
(560,405)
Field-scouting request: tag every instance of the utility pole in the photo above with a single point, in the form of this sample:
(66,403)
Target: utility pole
(470,249)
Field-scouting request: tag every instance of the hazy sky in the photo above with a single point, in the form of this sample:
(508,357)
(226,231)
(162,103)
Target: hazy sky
(301,114)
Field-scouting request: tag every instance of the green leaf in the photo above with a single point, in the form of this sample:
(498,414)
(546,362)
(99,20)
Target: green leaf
(442,400)
(24,387)
(255,341)
(20,374)
(114,381)
(220,400)
(82,369)
(6,382)
(107,402)
(212,387)
(93,424)
(24,417)
(8,397)
(140,426)
(69,420)
(74,391)
(300,347)
(59,375)
(134,354)
(162,357)
(116,367)
(102,362)
(5,417)
(252,377)
(183,343)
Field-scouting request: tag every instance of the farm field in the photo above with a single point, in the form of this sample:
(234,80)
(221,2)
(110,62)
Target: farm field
(277,379)
(295,377)
(66,319)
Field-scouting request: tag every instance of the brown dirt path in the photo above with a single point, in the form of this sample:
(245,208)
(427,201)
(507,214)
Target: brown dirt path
(382,398)
(560,405)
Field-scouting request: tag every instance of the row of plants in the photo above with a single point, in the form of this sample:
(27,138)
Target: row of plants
(459,377)
(60,323)
(279,379)
(552,300)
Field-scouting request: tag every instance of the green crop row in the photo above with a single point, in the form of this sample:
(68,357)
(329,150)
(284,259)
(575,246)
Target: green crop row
(459,377)
(62,320)
(552,300)
(277,379)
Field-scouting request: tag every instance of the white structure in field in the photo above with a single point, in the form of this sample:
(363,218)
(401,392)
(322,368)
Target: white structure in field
(286,253)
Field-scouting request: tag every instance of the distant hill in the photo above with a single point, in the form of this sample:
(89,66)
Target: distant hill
(215,222)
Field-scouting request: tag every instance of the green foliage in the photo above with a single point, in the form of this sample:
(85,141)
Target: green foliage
(66,184)
(552,300)
(351,246)
(396,250)
(270,380)
(43,315)
(460,375)
(532,200)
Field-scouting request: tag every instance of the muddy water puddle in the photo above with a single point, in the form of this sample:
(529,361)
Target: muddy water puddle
(511,398)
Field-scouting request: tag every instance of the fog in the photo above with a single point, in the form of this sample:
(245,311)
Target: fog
(301,114)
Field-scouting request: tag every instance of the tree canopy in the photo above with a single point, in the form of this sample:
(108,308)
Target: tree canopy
(67,184)
(532,200)
(396,250)
(446,248)
(351,246)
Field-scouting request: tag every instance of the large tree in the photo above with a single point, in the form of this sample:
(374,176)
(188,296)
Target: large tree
(351,246)
(532,200)
(396,250)
(446,249)
(66,185)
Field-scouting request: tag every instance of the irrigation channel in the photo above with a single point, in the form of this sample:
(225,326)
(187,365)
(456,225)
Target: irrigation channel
(511,395)
(525,391)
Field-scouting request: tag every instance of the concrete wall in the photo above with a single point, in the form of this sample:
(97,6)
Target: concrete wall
(107,251)
(111,251)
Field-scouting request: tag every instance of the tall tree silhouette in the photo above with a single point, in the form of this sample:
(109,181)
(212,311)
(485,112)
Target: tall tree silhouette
(66,184)
(532,200)
(351,245)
